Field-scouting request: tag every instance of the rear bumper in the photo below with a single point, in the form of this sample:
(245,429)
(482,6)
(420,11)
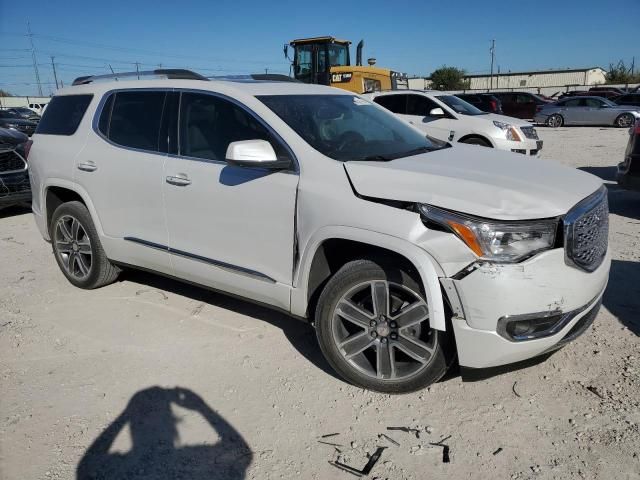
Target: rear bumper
(542,284)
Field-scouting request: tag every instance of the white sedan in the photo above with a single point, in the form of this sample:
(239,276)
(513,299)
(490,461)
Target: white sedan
(449,118)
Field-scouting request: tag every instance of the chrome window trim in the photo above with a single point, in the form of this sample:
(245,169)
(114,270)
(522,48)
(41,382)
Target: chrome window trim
(209,261)
(576,212)
(100,107)
(98,112)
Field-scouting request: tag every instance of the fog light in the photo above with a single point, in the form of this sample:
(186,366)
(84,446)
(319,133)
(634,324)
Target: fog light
(527,327)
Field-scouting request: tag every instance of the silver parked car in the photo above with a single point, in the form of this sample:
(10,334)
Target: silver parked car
(587,111)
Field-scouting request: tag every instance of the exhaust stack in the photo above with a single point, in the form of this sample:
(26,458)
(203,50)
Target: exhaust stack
(359,53)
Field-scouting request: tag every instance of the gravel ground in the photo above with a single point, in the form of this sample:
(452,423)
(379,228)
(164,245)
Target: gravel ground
(184,383)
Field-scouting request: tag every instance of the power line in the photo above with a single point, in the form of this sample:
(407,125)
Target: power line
(33,55)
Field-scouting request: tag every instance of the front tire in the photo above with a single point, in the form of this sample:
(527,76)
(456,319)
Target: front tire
(625,120)
(372,324)
(554,121)
(77,248)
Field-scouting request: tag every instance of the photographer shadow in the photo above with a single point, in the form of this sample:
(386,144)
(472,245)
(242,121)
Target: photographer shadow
(155,451)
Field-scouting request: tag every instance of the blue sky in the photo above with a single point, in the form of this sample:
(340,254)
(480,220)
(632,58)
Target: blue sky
(225,37)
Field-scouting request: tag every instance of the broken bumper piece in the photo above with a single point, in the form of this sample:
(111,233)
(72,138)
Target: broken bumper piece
(508,313)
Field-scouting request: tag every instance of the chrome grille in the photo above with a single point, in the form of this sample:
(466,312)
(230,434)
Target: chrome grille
(10,161)
(530,132)
(586,229)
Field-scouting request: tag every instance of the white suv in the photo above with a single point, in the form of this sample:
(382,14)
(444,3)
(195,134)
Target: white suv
(317,202)
(449,118)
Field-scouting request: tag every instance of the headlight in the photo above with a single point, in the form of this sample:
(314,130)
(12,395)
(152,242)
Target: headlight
(510,131)
(495,240)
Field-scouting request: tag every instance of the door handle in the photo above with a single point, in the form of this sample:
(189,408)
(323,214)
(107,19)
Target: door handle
(180,180)
(88,166)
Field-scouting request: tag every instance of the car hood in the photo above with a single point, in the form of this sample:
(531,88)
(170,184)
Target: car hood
(17,121)
(11,138)
(516,122)
(478,181)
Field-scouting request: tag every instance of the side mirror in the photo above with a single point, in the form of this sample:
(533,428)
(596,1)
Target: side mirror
(254,153)
(436,112)
(604,105)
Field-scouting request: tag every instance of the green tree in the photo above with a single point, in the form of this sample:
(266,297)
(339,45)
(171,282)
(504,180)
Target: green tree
(4,93)
(621,74)
(449,78)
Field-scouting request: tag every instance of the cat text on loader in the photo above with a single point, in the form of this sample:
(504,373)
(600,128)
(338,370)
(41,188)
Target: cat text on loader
(326,61)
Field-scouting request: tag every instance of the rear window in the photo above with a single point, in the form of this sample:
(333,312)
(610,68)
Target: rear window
(132,119)
(63,115)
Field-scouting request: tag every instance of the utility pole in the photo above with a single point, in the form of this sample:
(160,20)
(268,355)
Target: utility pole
(33,57)
(493,56)
(138,69)
(633,65)
(55,75)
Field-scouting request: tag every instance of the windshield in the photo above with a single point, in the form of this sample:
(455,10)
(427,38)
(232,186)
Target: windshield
(346,127)
(460,106)
(338,54)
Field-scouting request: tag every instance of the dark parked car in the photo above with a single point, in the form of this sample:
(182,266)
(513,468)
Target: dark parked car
(24,113)
(14,122)
(606,89)
(628,99)
(629,169)
(486,102)
(14,172)
(520,104)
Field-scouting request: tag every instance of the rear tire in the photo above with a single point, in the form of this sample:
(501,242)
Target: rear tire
(554,121)
(476,141)
(377,342)
(625,120)
(77,248)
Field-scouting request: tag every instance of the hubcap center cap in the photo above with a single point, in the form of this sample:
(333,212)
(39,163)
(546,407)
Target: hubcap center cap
(75,247)
(383,329)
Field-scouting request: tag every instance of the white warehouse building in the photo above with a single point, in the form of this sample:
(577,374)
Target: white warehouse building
(538,79)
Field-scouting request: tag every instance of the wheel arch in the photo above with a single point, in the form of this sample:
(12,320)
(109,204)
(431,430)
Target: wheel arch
(476,136)
(58,191)
(332,247)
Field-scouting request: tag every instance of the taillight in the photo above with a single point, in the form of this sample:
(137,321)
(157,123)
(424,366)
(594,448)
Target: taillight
(637,130)
(494,105)
(27,148)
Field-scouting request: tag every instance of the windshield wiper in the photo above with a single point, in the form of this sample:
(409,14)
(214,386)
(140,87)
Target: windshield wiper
(375,158)
(416,151)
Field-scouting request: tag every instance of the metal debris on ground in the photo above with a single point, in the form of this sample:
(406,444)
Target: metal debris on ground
(514,390)
(367,468)
(415,431)
(331,444)
(329,435)
(595,391)
(445,449)
(497,451)
(389,439)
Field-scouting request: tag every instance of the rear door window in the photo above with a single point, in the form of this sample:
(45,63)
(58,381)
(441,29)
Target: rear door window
(63,115)
(394,103)
(135,119)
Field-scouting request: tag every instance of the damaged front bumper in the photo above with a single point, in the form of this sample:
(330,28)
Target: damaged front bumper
(506,313)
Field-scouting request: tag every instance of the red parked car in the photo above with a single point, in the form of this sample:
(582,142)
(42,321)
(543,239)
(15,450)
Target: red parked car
(521,104)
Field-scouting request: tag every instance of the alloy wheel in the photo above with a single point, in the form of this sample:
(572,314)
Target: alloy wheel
(554,121)
(73,247)
(381,329)
(625,120)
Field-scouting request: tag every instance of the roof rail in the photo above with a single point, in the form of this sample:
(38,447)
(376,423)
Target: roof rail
(169,73)
(268,77)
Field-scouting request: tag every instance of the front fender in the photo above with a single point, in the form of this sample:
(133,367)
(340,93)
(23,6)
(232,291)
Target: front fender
(426,266)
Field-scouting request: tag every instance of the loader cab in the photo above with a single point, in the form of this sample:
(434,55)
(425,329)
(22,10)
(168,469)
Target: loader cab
(314,57)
